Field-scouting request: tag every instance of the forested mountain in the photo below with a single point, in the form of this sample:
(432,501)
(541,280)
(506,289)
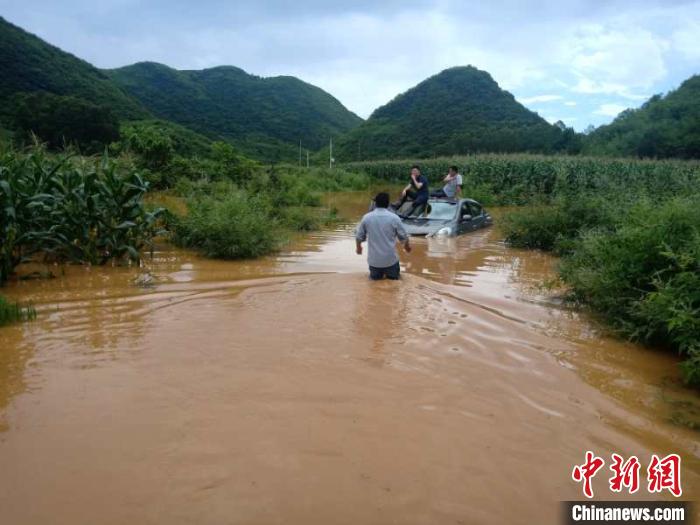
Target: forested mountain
(263,117)
(663,127)
(28,64)
(257,114)
(459,110)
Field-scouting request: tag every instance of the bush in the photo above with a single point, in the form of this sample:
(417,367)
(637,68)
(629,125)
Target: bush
(672,311)
(556,226)
(230,164)
(644,276)
(153,146)
(230,227)
(228,220)
(537,227)
(301,218)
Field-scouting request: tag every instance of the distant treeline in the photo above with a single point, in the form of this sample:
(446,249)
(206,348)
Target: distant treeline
(663,127)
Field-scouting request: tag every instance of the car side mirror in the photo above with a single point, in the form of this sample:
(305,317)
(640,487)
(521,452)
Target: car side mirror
(466,217)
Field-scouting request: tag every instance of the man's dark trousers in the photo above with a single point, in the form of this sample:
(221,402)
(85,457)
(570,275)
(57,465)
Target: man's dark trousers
(391,272)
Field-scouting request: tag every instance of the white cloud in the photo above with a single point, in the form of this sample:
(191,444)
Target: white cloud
(610,110)
(615,58)
(539,98)
(589,86)
(365,53)
(686,40)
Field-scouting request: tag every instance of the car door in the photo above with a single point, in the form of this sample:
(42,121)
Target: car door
(478,217)
(464,225)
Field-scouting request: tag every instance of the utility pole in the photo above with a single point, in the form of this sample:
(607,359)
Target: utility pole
(307,159)
(330,155)
(299,152)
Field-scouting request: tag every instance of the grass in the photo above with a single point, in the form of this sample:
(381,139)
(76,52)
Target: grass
(13,312)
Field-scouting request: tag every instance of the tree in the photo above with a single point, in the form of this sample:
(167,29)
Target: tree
(152,145)
(665,126)
(63,120)
(230,163)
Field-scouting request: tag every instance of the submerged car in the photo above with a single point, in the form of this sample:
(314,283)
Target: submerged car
(446,217)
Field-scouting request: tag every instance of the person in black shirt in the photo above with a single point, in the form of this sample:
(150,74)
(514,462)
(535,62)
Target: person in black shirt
(416,191)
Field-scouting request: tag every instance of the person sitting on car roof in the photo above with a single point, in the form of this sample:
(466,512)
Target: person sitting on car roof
(416,191)
(453,185)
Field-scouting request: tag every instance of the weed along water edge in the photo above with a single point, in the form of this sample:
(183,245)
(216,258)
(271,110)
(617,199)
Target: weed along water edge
(291,389)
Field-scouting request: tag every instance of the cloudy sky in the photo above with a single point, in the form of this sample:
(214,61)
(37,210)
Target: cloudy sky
(578,61)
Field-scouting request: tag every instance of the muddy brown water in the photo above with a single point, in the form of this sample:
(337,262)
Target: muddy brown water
(291,389)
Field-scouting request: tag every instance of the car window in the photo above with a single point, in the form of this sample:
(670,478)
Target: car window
(476,209)
(440,210)
(465,210)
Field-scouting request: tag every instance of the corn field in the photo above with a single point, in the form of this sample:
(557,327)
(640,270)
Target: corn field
(66,209)
(520,178)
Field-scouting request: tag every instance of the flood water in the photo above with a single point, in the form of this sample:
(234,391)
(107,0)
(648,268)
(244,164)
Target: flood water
(291,389)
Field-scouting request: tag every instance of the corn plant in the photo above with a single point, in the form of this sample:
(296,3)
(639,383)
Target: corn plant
(69,209)
(522,178)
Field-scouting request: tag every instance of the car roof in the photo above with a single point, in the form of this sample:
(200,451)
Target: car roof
(453,201)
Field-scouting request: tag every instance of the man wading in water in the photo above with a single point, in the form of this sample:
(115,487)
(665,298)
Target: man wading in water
(383,228)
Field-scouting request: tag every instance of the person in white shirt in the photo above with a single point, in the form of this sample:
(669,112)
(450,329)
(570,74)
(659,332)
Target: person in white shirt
(382,228)
(453,185)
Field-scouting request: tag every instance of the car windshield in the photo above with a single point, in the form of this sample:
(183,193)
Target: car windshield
(435,210)
(440,210)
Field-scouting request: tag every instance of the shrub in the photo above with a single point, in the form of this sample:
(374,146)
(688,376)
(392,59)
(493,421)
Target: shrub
(556,226)
(230,164)
(644,276)
(153,145)
(537,227)
(671,312)
(230,227)
(302,218)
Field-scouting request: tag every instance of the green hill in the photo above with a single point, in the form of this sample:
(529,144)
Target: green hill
(663,127)
(185,142)
(28,64)
(460,110)
(265,117)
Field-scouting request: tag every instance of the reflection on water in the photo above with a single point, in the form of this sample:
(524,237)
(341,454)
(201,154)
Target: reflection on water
(291,389)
